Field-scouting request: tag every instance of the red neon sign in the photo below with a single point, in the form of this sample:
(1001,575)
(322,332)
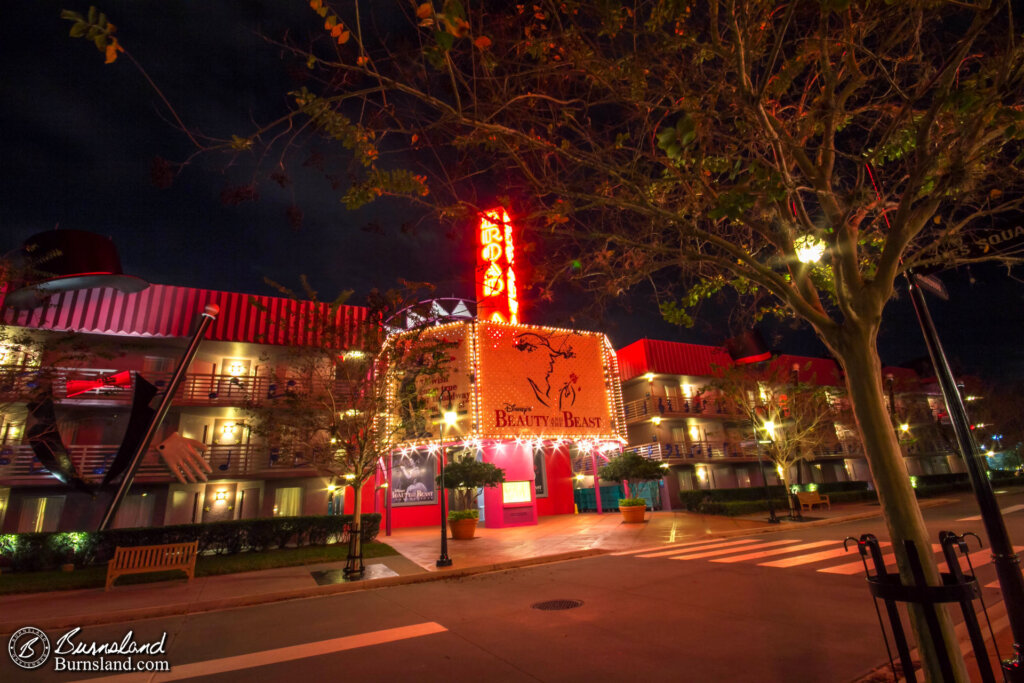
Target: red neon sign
(496,298)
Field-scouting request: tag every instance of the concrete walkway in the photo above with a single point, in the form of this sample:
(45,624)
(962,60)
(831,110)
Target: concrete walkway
(554,539)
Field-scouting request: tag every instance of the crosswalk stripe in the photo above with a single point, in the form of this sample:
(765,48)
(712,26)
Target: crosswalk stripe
(665,546)
(1005,511)
(776,551)
(806,559)
(706,546)
(858,566)
(980,559)
(715,553)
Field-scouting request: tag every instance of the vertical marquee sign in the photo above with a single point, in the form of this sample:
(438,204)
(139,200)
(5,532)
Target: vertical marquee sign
(496,298)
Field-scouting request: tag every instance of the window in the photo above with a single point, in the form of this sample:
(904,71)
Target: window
(155,365)
(288,501)
(135,511)
(513,492)
(40,513)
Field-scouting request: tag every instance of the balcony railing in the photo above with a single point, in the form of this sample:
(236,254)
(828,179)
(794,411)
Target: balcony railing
(718,450)
(195,389)
(674,406)
(18,462)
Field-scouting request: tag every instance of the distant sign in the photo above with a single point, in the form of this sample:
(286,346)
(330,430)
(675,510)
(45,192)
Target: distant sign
(992,243)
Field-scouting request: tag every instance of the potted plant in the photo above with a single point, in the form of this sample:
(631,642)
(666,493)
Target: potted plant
(632,468)
(464,477)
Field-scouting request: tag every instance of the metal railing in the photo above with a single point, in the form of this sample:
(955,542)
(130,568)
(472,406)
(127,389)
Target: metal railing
(719,450)
(196,389)
(18,462)
(675,406)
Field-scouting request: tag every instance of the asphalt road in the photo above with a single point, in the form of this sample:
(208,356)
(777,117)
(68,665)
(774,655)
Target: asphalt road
(728,610)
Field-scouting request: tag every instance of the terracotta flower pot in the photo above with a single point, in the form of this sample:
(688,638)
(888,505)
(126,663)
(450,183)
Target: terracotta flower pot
(462,529)
(633,514)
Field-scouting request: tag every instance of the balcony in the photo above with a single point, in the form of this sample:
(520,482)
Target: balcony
(675,406)
(703,451)
(195,389)
(18,464)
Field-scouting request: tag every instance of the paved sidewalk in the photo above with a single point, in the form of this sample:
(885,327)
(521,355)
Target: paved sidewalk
(556,538)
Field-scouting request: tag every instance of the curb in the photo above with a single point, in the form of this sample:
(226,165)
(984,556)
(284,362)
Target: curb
(184,609)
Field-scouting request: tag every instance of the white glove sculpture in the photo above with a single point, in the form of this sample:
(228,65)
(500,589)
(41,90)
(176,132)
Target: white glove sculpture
(184,458)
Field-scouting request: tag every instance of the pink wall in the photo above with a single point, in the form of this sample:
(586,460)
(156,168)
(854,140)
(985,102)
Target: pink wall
(517,461)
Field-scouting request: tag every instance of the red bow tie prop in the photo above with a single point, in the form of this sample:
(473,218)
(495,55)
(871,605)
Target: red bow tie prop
(121,379)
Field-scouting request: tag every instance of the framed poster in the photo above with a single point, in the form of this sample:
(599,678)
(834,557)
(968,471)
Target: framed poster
(412,479)
(540,474)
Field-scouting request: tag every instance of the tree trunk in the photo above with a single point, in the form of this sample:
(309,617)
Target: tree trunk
(859,358)
(783,473)
(357,518)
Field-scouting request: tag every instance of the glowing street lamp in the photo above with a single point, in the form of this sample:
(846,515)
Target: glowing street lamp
(809,249)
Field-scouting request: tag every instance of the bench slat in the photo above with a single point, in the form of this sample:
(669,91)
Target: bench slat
(153,558)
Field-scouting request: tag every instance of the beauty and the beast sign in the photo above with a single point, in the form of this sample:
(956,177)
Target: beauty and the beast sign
(521,381)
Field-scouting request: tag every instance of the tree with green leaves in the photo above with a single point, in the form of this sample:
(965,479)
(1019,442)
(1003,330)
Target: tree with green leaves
(805,155)
(633,469)
(328,401)
(465,476)
(790,420)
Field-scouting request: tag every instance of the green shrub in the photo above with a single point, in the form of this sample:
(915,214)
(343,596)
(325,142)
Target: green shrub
(732,508)
(851,496)
(691,500)
(43,551)
(842,486)
(456,515)
(626,502)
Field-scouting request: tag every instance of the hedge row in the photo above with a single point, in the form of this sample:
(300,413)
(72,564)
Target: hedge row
(691,500)
(48,550)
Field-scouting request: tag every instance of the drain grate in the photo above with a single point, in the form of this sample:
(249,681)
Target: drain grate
(557,604)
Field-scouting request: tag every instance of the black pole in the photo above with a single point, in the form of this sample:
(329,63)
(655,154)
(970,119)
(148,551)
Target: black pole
(1005,561)
(772,519)
(206,317)
(444,560)
(387,497)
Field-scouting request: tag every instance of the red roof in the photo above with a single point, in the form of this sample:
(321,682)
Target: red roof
(812,370)
(672,358)
(166,311)
(677,358)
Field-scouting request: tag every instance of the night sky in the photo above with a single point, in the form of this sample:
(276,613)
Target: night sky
(79,137)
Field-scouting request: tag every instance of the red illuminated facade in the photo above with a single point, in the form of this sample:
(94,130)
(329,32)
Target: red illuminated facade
(496,296)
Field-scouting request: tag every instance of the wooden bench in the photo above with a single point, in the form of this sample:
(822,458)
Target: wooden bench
(143,559)
(809,499)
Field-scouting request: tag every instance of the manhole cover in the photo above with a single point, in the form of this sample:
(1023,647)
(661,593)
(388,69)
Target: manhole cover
(556,604)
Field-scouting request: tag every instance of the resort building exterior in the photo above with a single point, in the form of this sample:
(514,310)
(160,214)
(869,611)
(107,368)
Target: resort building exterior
(672,414)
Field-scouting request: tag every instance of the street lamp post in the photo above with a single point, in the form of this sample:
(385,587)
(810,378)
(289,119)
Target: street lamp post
(772,519)
(448,419)
(1004,559)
